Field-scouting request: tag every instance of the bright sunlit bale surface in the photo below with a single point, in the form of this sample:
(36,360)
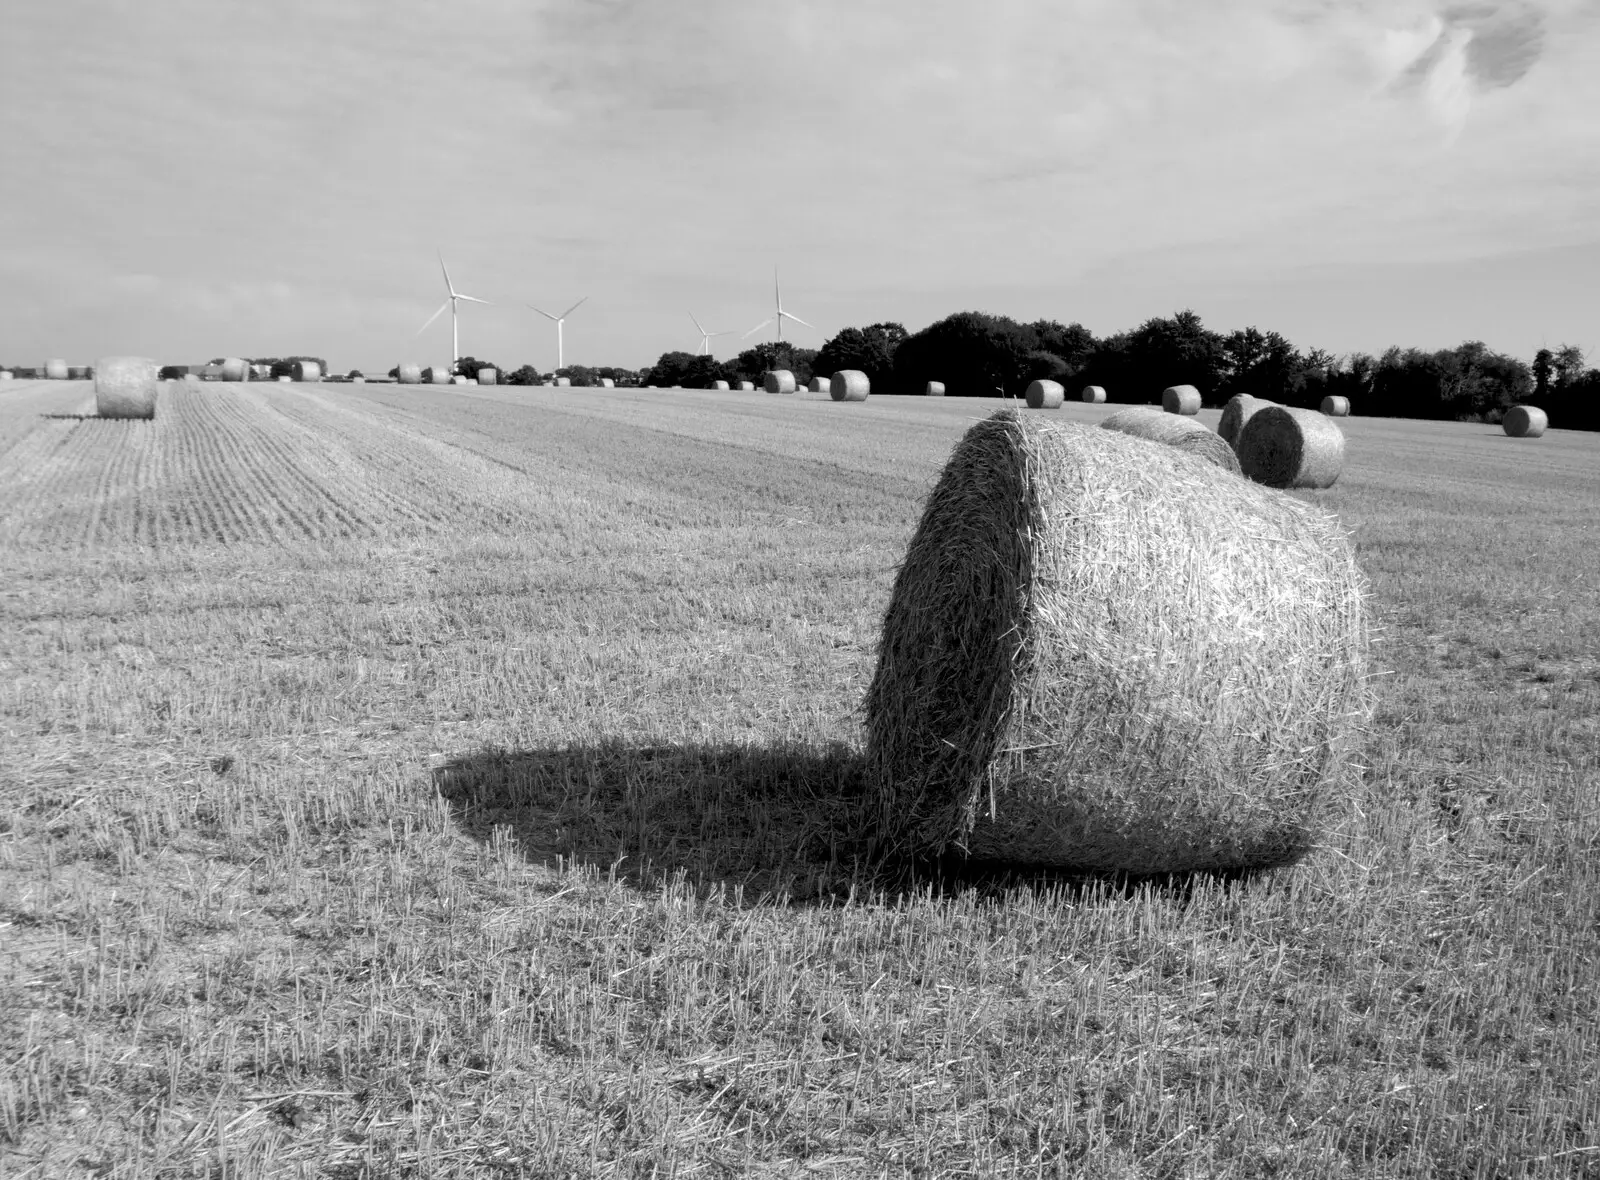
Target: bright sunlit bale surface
(125,387)
(1287,447)
(1174,430)
(1102,655)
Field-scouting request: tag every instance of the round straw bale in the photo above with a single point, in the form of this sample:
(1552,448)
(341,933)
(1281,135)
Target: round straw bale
(779,381)
(1101,656)
(488,376)
(1525,422)
(719,385)
(1174,430)
(608,383)
(306,371)
(1180,399)
(1335,406)
(458,379)
(358,380)
(1045,395)
(5,374)
(235,369)
(747,386)
(1287,447)
(819,384)
(849,385)
(563,382)
(934,389)
(1094,394)
(125,386)
(56,370)
(407,373)
(1238,411)
(285,379)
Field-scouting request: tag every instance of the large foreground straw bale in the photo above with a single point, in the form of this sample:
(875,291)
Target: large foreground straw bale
(1525,422)
(235,368)
(1287,447)
(849,385)
(1045,395)
(1180,399)
(779,381)
(407,373)
(125,386)
(56,369)
(1102,656)
(1094,394)
(1174,430)
(1335,406)
(934,389)
(1239,410)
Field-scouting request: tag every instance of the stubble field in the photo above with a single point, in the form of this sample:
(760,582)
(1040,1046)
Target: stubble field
(433,782)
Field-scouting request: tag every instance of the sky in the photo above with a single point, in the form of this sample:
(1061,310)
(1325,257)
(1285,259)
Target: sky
(186,179)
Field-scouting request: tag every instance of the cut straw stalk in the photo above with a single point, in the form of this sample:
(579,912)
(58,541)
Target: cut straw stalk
(1100,655)
(1174,430)
(1525,422)
(849,385)
(125,386)
(1287,447)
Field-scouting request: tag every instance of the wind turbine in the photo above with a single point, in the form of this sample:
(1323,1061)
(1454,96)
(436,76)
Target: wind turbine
(559,319)
(455,327)
(780,315)
(705,337)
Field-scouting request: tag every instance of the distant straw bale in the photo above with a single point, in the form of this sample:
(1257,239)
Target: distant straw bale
(1287,447)
(125,386)
(747,386)
(6,375)
(719,385)
(779,381)
(1525,422)
(284,379)
(1174,430)
(563,382)
(1099,655)
(1045,395)
(1180,399)
(1335,406)
(1094,394)
(407,373)
(236,369)
(458,379)
(306,371)
(437,375)
(608,383)
(934,389)
(1238,411)
(56,369)
(488,376)
(849,385)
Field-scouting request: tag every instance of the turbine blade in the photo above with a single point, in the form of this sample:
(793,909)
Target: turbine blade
(696,322)
(448,284)
(757,328)
(725,332)
(789,315)
(443,307)
(573,308)
(546,314)
(475,299)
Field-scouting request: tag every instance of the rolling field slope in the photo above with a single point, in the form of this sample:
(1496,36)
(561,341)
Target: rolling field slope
(430,782)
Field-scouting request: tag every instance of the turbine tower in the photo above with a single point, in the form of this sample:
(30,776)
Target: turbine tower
(559,319)
(780,315)
(705,337)
(455,326)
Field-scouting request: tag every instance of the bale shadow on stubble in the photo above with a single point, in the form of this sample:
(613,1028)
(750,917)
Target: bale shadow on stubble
(765,823)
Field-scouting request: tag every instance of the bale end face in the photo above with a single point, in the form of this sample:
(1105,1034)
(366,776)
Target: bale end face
(1045,395)
(1181,399)
(125,387)
(1287,447)
(1525,422)
(1061,682)
(849,385)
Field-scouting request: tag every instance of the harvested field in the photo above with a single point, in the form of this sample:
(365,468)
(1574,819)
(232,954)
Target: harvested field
(457,781)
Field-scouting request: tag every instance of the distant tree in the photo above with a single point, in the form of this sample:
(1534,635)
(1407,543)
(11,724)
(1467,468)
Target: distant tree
(672,368)
(1466,382)
(1543,368)
(468,367)
(973,353)
(580,375)
(525,375)
(1569,368)
(1073,343)
(870,349)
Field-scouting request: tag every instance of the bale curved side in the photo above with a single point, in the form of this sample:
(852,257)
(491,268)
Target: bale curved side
(1239,410)
(1180,399)
(1095,395)
(1061,681)
(125,386)
(1525,422)
(849,385)
(1173,430)
(1045,395)
(1287,447)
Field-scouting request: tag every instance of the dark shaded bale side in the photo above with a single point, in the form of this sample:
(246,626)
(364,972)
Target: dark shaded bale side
(1100,655)
(1186,434)
(1287,447)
